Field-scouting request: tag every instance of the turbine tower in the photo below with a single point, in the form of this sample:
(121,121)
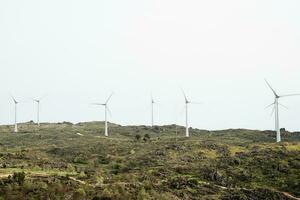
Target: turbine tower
(187,102)
(106,110)
(276,109)
(16,106)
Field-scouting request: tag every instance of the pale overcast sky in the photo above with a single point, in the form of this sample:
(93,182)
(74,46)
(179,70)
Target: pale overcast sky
(78,52)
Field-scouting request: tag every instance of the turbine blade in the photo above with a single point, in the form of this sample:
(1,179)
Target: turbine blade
(186,100)
(109,98)
(36,100)
(283,106)
(109,112)
(98,104)
(42,97)
(271,88)
(289,95)
(269,105)
(152,100)
(273,110)
(194,102)
(13,98)
(182,110)
(159,104)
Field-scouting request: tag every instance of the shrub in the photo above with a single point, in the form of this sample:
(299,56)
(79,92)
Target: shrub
(146,137)
(138,137)
(117,168)
(18,177)
(106,195)
(70,168)
(82,175)
(79,194)
(143,195)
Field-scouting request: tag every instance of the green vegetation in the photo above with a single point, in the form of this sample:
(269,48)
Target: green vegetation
(75,161)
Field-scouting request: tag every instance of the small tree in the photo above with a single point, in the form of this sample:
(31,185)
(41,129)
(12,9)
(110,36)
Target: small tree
(283,130)
(138,137)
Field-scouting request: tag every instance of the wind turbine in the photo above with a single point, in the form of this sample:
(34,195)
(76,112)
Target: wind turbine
(276,109)
(187,102)
(38,101)
(106,110)
(152,111)
(16,106)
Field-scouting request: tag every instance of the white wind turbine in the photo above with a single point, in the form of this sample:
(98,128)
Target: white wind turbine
(106,110)
(152,111)
(38,101)
(276,109)
(187,102)
(16,106)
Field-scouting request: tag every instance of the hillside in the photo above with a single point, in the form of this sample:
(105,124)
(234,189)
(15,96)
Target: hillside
(75,161)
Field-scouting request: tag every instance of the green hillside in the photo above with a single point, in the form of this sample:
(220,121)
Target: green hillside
(75,161)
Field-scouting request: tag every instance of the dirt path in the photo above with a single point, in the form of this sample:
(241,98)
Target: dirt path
(290,196)
(79,181)
(5,175)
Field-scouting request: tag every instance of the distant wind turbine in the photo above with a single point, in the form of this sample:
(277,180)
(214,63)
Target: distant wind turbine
(152,111)
(106,110)
(187,102)
(276,109)
(38,101)
(16,106)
